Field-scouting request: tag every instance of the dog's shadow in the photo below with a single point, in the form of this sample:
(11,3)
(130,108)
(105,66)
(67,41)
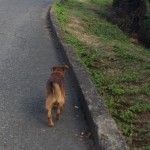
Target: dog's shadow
(34,108)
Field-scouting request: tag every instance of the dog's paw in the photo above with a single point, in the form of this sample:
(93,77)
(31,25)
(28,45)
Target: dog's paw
(51,124)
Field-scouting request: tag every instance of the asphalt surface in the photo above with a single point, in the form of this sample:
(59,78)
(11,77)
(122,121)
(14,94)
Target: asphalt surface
(27,53)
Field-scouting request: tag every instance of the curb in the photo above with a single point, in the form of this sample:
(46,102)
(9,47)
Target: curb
(103,127)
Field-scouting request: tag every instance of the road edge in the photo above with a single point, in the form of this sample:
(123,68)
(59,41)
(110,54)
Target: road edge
(103,127)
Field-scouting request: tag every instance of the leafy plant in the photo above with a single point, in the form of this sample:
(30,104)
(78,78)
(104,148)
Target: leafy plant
(140,107)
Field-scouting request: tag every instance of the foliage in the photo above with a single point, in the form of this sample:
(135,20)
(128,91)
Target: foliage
(137,17)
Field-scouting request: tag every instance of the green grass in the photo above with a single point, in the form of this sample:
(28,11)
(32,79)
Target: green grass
(119,69)
(61,10)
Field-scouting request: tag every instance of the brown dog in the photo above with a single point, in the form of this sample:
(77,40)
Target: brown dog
(55,93)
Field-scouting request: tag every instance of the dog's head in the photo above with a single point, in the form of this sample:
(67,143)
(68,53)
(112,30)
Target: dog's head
(61,69)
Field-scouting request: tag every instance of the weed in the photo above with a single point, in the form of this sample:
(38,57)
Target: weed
(126,115)
(115,89)
(123,53)
(145,89)
(129,78)
(140,107)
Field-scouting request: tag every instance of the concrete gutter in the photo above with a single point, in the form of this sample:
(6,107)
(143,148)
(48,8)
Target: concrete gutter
(103,127)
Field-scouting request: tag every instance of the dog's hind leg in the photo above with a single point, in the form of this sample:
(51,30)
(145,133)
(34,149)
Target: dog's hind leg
(50,121)
(59,108)
(49,105)
(58,112)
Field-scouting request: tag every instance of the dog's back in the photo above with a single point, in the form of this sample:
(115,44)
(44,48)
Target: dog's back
(55,85)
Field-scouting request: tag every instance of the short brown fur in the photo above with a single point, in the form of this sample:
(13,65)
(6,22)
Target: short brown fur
(55,92)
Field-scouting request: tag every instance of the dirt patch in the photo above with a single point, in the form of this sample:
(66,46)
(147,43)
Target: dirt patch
(76,28)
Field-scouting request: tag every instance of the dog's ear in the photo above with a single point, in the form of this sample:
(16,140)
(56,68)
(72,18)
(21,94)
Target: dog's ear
(53,68)
(65,67)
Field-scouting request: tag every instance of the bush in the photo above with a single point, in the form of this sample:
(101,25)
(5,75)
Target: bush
(136,15)
(144,33)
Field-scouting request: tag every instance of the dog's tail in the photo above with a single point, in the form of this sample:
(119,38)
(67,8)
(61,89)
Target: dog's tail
(55,89)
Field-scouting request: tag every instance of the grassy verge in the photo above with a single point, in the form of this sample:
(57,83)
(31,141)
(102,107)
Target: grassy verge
(119,68)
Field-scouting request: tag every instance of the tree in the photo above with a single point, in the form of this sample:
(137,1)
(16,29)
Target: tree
(137,16)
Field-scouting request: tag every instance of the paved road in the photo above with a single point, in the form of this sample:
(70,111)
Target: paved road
(27,53)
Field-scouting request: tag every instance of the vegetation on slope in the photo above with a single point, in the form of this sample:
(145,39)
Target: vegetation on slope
(118,66)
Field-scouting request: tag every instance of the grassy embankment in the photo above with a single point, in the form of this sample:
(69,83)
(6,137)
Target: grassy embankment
(119,69)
